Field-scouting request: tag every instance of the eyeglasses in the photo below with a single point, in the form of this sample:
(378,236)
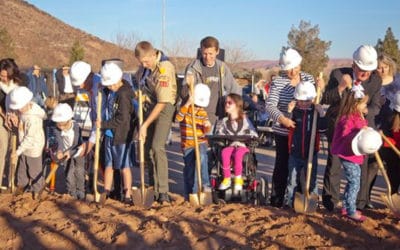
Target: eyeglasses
(228,103)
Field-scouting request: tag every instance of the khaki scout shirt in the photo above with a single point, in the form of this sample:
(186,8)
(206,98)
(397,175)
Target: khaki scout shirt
(161,82)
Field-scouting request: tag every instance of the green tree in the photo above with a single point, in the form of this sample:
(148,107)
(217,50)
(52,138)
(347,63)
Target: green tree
(6,44)
(77,52)
(305,40)
(389,46)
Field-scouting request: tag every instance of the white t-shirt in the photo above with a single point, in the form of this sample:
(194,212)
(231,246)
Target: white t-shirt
(68,85)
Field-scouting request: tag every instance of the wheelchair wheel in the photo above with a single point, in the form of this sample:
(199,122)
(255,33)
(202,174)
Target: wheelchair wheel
(262,192)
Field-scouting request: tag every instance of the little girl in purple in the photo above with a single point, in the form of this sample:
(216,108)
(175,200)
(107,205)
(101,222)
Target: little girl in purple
(236,123)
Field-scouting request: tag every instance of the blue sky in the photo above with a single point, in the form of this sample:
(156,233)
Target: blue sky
(260,25)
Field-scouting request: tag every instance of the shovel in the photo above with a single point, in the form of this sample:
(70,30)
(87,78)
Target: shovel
(142,197)
(97,196)
(13,167)
(201,198)
(49,178)
(392,201)
(395,149)
(306,202)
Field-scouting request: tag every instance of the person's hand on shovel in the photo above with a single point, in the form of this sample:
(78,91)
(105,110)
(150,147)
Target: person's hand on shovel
(143,132)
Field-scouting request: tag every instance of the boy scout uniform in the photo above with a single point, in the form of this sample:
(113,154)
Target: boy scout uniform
(159,87)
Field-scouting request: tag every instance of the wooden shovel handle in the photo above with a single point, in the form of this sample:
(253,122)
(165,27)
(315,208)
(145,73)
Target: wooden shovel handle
(196,142)
(97,144)
(395,149)
(312,142)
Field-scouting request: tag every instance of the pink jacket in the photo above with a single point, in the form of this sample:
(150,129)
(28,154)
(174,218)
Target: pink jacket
(346,129)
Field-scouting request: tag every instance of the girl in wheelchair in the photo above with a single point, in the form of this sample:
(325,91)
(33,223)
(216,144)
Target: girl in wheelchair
(235,124)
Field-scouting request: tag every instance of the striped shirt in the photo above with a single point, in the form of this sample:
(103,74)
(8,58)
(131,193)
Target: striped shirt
(184,117)
(280,95)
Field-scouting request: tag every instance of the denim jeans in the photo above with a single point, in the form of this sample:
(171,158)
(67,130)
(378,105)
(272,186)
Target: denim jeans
(296,167)
(189,171)
(352,172)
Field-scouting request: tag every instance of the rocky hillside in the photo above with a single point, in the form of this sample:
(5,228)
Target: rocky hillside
(42,39)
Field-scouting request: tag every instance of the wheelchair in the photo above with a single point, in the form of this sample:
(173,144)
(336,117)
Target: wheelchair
(255,190)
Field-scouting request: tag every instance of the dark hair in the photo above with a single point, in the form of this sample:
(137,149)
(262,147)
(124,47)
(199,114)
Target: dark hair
(209,42)
(9,65)
(349,104)
(238,100)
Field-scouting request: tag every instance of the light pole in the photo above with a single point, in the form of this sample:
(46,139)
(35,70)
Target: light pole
(163,26)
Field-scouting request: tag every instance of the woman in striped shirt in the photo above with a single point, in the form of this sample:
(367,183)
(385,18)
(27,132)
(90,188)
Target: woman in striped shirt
(281,94)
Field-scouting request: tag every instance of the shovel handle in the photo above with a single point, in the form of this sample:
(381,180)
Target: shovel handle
(395,149)
(97,146)
(141,144)
(383,171)
(196,142)
(312,142)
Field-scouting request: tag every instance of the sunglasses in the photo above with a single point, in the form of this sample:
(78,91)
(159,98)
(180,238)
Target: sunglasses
(228,103)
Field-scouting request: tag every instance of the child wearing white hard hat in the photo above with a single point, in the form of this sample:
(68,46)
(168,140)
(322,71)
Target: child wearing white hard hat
(116,124)
(390,126)
(31,140)
(69,138)
(201,99)
(350,121)
(302,113)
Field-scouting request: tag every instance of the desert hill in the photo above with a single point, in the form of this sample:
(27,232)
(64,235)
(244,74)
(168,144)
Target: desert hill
(42,39)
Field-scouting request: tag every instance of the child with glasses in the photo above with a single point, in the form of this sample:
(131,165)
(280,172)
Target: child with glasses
(235,124)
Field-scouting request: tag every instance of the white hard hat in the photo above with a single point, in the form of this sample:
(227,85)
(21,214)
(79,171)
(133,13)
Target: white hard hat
(201,95)
(366,58)
(396,101)
(289,59)
(367,141)
(80,70)
(111,74)
(19,97)
(305,91)
(62,113)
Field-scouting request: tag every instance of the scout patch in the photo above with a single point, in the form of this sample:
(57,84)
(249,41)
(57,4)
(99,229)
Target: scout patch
(163,80)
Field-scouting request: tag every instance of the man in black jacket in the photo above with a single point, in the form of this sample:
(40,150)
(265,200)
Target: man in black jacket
(339,85)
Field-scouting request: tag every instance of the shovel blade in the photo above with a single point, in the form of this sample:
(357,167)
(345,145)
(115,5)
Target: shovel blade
(302,204)
(145,200)
(299,202)
(194,200)
(392,202)
(202,198)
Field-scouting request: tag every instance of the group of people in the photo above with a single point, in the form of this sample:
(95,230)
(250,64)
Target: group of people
(360,99)
(364,96)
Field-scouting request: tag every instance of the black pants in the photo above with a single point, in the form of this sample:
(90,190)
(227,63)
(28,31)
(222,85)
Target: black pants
(392,167)
(280,175)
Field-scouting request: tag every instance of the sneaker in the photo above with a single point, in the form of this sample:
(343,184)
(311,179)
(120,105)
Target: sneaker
(35,196)
(225,184)
(164,198)
(128,200)
(238,183)
(344,212)
(357,217)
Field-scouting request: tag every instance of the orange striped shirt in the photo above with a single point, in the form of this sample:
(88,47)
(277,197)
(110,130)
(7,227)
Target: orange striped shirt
(184,117)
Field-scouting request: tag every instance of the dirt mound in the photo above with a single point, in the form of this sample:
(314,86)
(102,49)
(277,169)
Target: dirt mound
(60,222)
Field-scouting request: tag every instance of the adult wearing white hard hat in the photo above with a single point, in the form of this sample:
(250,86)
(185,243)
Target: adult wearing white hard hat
(361,75)
(281,94)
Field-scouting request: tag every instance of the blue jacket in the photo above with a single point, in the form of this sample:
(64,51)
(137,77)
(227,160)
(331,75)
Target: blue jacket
(300,137)
(38,87)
